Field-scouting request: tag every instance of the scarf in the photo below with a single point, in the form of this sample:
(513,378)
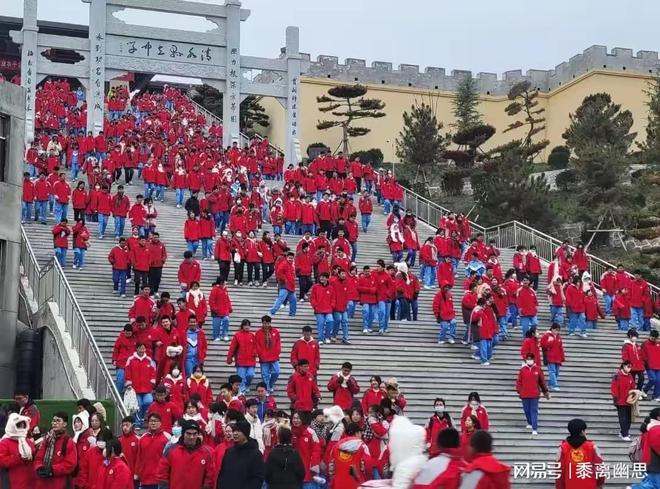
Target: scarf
(51,439)
(19,434)
(197,296)
(268,432)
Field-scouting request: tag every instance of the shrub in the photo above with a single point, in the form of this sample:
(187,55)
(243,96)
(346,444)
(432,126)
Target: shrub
(373,156)
(559,156)
(567,180)
(315,149)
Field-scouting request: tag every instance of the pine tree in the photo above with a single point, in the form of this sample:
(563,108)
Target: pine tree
(347,104)
(650,149)
(420,143)
(465,105)
(252,114)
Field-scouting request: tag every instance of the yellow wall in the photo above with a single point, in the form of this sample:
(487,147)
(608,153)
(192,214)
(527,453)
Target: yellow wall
(625,88)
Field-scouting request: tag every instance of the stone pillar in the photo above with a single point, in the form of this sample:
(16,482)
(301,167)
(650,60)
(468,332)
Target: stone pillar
(292,149)
(231,100)
(29,64)
(96,89)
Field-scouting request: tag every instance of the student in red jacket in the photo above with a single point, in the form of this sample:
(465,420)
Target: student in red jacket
(302,389)
(285,275)
(553,353)
(367,290)
(27,198)
(243,353)
(124,347)
(58,472)
(651,355)
(439,421)
(308,348)
(129,443)
(632,352)
(527,306)
(529,385)
(221,308)
(484,470)
(621,309)
(366,207)
(150,451)
(169,412)
(189,271)
(194,344)
(474,407)
(141,377)
(322,300)
(622,384)
(80,238)
(575,307)
(114,471)
(443,310)
(269,347)
(17,452)
(343,386)
(445,469)
(191,233)
(61,234)
(577,455)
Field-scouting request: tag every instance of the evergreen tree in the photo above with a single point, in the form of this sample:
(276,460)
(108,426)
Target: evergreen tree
(465,105)
(650,149)
(420,143)
(347,104)
(252,113)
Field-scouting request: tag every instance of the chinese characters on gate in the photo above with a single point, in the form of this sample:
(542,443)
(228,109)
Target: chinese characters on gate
(98,72)
(293,104)
(172,51)
(29,96)
(233,87)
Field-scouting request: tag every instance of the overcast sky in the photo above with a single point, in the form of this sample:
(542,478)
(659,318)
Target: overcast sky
(478,35)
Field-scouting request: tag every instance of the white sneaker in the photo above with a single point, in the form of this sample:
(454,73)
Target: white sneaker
(534,433)
(657,399)
(75,266)
(365,331)
(441,342)
(583,335)
(123,296)
(216,339)
(129,280)
(451,341)
(528,427)
(225,338)
(327,341)
(485,364)
(235,282)
(625,438)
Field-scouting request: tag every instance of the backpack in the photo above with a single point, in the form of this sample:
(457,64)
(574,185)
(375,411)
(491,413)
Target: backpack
(635,450)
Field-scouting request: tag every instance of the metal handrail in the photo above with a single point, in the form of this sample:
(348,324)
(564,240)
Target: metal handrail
(49,283)
(508,235)
(245,139)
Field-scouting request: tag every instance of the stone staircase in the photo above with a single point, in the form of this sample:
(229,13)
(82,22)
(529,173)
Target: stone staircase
(409,352)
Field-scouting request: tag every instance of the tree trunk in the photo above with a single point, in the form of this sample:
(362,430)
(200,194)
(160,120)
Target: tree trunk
(344,140)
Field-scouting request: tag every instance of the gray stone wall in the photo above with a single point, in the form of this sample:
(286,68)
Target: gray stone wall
(432,78)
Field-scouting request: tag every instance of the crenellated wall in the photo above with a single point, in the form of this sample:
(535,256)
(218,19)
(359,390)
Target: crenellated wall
(382,72)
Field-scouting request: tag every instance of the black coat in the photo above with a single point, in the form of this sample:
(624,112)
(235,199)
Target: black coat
(192,205)
(284,468)
(242,467)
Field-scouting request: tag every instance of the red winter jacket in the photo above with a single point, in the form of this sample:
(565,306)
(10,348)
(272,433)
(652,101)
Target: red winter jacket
(62,191)
(61,234)
(608,283)
(157,254)
(621,306)
(341,292)
(243,349)
(527,301)
(343,392)
(445,273)
(140,258)
(433,429)
(219,301)
(303,391)
(169,413)
(366,205)
(140,373)
(622,384)
(492,474)
(189,272)
(574,298)
(19,472)
(114,475)
(553,347)
(222,250)
(322,298)
(182,468)
(308,445)
(150,451)
(530,382)
(633,353)
(123,349)
(443,471)
(120,205)
(286,276)
(129,449)
(79,199)
(310,351)
(64,463)
(531,345)
(265,353)
(651,354)
(443,306)
(191,230)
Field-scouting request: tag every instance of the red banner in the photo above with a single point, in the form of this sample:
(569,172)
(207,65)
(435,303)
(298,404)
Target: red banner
(10,63)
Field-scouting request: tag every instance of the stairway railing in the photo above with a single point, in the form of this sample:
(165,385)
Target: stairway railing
(49,283)
(245,139)
(508,235)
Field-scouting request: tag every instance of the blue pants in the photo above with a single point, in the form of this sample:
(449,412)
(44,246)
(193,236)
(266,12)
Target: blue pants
(60,211)
(387,206)
(503,333)
(103,224)
(650,481)
(79,257)
(160,192)
(120,223)
(512,315)
(553,374)
(427,275)
(192,246)
(277,229)
(366,220)
(410,257)
(247,374)
(353,251)
(576,320)
(191,362)
(654,383)
(591,324)
(637,317)
(324,326)
(75,168)
(207,247)
(607,303)
(224,220)
(623,324)
(282,295)
(40,210)
(26,212)
(340,319)
(60,254)
(350,309)
(414,307)
(148,189)
(527,322)
(144,401)
(120,380)
(447,327)
(290,227)
(557,315)
(179,194)
(270,372)
(485,350)
(368,314)
(531,408)
(397,256)
(383,315)
(220,326)
(119,281)
(307,227)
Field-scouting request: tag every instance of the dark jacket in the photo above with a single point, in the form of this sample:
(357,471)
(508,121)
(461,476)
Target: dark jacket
(192,205)
(284,468)
(242,467)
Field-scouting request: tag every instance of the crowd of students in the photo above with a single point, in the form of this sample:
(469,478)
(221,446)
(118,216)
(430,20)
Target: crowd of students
(161,351)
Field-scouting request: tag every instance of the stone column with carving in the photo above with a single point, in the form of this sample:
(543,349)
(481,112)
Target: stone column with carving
(231,100)
(292,149)
(96,90)
(29,57)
